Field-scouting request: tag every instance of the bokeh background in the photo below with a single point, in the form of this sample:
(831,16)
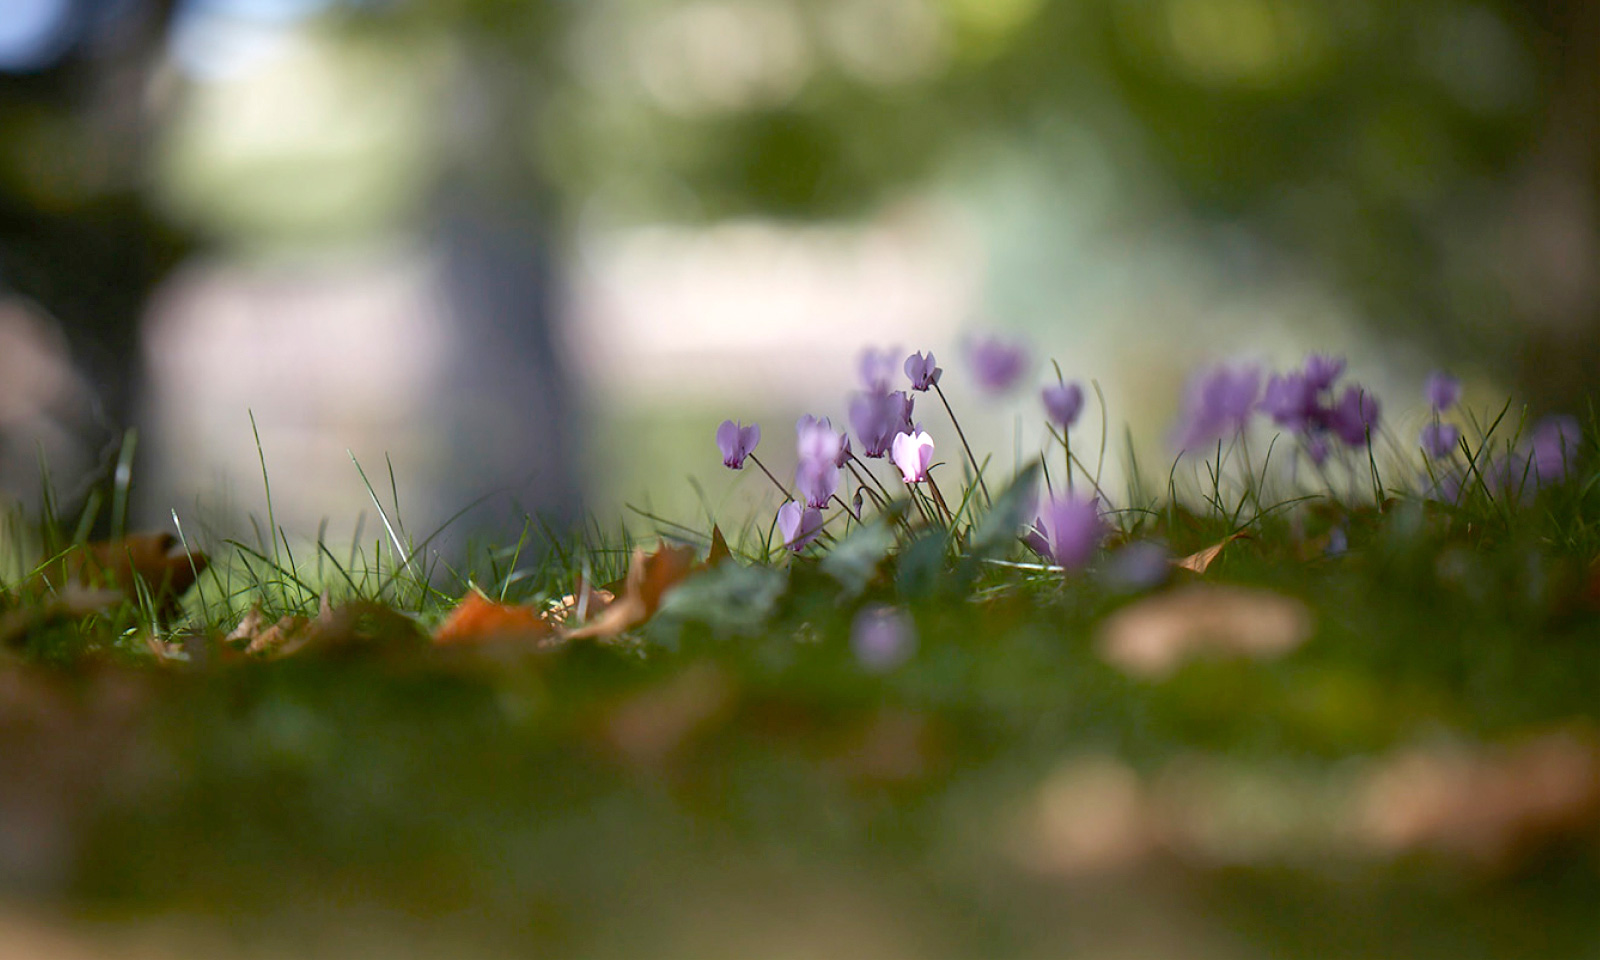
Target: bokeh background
(535,251)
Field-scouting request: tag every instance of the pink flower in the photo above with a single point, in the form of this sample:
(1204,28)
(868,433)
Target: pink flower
(1439,439)
(877,369)
(1062,403)
(913,454)
(1442,390)
(882,638)
(1067,531)
(817,440)
(924,373)
(997,364)
(816,481)
(877,417)
(736,442)
(798,525)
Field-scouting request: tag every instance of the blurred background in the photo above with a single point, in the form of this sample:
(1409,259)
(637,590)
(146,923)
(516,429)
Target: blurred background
(535,251)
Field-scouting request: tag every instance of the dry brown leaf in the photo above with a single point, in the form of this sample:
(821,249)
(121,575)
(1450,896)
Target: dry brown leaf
(1151,637)
(1200,560)
(580,605)
(650,576)
(1488,805)
(1091,816)
(73,602)
(477,619)
(719,548)
(155,559)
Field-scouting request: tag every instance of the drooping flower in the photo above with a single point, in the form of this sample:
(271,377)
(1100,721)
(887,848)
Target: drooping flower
(1355,416)
(922,370)
(817,440)
(1553,447)
(798,525)
(1291,401)
(877,417)
(736,442)
(913,454)
(997,364)
(1321,370)
(882,637)
(816,481)
(876,368)
(1439,440)
(1067,530)
(1062,403)
(1218,405)
(1442,391)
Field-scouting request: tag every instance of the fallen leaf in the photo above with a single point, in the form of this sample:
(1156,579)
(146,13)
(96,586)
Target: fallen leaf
(477,619)
(1092,815)
(354,625)
(649,577)
(1151,637)
(719,548)
(73,602)
(157,560)
(1486,805)
(1200,560)
(582,604)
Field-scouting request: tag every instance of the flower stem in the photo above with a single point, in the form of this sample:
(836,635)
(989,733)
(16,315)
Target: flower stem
(781,488)
(976,470)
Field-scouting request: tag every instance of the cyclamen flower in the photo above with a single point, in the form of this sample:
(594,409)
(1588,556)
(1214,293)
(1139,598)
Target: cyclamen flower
(1554,447)
(877,417)
(816,481)
(736,442)
(922,371)
(798,525)
(882,638)
(1218,405)
(913,454)
(1321,370)
(1062,403)
(817,440)
(877,369)
(1442,391)
(1439,439)
(997,364)
(1355,416)
(1291,401)
(1067,531)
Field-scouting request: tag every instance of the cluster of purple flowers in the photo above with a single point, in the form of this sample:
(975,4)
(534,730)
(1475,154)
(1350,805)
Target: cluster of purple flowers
(1439,439)
(1221,400)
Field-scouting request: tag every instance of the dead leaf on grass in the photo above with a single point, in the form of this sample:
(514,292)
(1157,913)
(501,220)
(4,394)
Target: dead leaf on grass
(650,576)
(156,560)
(1200,560)
(1152,637)
(477,619)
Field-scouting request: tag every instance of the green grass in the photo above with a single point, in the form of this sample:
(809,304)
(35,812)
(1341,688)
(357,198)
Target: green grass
(733,782)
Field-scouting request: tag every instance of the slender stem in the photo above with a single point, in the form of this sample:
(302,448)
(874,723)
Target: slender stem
(851,513)
(879,502)
(976,471)
(938,497)
(1066,443)
(781,488)
(886,494)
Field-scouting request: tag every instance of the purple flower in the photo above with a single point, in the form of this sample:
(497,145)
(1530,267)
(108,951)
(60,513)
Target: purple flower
(1062,403)
(1354,417)
(798,525)
(1291,401)
(1218,404)
(882,637)
(1442,391)
(736,442)
(877,417)
(997,364)
(1554,447)
(817,440)
(877,369)
(1067,531)
(1321,370)
(922,371)
(1439,439)
(913,454)
(816,481)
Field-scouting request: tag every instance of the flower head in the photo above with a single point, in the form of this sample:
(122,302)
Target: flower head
(1554,447)
(1291,401)
(1218,405)
(882,638)
(913,454)
(1355,416)
(816,481)
(922,370)
(997,364)
(817,440)
(877,417)
(876,368)
(736,442)
(1062,403)
(1442,391)
(1321,370)
(1439,440)
(1067,530)
(798,525)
